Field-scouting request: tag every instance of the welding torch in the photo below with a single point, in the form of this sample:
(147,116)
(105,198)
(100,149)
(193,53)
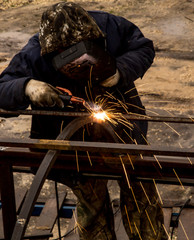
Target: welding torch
(67,97)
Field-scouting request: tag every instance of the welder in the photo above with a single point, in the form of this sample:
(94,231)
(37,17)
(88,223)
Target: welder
(72,48)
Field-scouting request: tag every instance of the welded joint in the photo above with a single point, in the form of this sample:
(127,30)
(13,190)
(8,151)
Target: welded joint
(21,221)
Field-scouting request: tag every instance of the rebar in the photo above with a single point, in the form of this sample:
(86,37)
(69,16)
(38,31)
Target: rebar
(6,113)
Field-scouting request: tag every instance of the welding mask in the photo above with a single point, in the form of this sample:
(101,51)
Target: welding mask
(72,36)
(86,61)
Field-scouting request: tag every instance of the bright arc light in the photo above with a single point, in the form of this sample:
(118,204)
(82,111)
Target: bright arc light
(102,116)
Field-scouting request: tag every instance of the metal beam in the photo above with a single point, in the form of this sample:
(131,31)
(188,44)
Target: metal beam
(97,147)
(6,113)
(145,168)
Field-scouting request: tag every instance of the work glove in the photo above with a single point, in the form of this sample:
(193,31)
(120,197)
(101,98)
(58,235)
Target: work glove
(42,94)
(111,81)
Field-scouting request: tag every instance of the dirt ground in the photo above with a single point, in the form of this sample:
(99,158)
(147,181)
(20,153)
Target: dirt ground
(166,89)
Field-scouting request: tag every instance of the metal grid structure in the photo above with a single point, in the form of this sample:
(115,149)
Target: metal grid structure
(15,152)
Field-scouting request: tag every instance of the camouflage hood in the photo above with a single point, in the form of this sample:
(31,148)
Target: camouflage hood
(65,24)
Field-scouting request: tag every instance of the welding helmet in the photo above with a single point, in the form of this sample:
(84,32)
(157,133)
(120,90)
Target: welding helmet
(76,43)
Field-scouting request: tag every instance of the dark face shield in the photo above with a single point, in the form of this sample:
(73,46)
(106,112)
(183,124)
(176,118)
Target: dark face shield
(80,68)
(85,61)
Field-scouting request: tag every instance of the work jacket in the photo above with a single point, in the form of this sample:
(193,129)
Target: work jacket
(133,52)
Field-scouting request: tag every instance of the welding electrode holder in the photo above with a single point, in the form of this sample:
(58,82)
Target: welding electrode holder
(68,98)
(65,98)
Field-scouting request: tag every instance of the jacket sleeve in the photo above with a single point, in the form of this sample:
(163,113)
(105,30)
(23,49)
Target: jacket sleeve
(14,78)
(136,53)
(12,84)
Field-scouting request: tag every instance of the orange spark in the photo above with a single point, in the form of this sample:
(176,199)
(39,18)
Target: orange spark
(128,220)
(89,158)
(187,157)
(178,179)
(145,192)
(93,191)
(157,161)
(150,222)
(137,231)
(135,199)
(166,231)
(77,224)
(129,157)
(153,155)
(184,230)
(158,191)
(76,156)
(140,153)
(124,169)
(172,129)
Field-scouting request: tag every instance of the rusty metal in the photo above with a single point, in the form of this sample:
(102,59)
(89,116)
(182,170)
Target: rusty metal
(42,112)
(42,173)
(97,147)
(5,113)
(146,168)
(25,157)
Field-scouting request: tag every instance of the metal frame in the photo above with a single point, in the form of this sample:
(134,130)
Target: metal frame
(41,175)
(7,113)
(146,165)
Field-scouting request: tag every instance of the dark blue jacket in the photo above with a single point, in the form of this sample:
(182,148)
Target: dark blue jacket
(134,55)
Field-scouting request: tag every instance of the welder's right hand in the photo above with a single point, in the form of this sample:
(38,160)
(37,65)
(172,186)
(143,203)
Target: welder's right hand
(42,94)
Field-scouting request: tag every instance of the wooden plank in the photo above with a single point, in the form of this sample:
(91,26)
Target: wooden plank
(187,223)
(47,218)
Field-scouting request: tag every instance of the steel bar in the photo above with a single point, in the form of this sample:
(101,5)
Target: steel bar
(25,157)
(81,114)
(42,112)
(97,147)
(106,165)
(42,173)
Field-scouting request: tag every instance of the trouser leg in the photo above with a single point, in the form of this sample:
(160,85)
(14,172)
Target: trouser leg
(142,218)
(95,216)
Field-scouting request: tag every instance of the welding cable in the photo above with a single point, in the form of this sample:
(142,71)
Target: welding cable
(177,218)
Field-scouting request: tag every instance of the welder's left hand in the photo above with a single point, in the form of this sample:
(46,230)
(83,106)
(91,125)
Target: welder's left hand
(42,94)
(111,81)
